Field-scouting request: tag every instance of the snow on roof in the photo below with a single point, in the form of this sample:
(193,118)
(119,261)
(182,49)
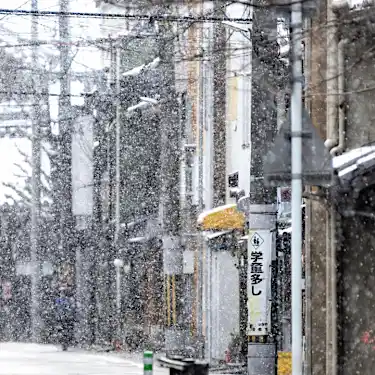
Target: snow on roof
(136,239)
(140,105)
(352,4)
(139,69)
(351,156)
(91,92)
(358,162)
(119,34)
(209,235)
(16,123)
(149,100)
(204,214)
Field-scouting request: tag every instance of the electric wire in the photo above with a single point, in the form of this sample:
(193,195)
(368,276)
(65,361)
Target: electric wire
(154,17)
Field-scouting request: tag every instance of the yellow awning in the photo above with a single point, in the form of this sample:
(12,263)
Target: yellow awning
(222,218)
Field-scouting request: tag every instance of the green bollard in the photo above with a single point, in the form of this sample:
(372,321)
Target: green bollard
(148,360)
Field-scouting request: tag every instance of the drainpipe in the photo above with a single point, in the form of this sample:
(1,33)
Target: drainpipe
(341,81)
(331,75)
(333,250)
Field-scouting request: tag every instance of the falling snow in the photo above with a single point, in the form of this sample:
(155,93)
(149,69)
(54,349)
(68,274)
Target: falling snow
(151,159)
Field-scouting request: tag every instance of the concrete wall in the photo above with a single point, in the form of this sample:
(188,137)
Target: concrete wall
(224,302)
(357,254)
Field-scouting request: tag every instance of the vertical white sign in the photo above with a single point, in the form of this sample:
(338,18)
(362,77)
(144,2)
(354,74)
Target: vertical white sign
(82,166)
(259,282)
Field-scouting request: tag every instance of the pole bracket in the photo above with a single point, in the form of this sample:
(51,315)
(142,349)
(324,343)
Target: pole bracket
(299,134)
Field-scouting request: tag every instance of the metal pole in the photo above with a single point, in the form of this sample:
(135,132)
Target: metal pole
(200,197)
(296,142)
(119,264)
(35,208)
(66,255)
(118,300)
(118,139)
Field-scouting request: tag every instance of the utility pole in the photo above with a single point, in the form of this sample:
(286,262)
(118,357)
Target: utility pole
(118,141)
(117,56)
(176,327)
(65,131)
(261,206)
(296,144)
(35,208)
(200,254)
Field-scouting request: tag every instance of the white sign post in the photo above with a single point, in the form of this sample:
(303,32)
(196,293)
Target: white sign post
(259,282)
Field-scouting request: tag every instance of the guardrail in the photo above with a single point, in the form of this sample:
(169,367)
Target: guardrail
(184,366)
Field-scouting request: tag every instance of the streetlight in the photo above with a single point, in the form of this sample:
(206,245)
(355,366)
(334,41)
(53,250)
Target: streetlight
(118,263)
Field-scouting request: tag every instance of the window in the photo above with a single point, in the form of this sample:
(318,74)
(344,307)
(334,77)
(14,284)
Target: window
(233,180)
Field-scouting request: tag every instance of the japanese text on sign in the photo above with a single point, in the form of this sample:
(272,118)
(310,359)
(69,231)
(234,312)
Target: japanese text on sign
(256,267)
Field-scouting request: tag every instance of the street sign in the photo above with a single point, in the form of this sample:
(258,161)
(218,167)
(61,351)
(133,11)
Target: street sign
(316,160)
(256,240)
(259,282)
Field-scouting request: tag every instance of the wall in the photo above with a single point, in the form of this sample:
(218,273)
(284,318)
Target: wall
(360,108)
(238,100)
(357,253)
(237,103)
(224,302)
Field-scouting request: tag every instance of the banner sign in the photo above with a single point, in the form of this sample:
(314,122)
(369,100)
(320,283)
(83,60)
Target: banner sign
(259,282)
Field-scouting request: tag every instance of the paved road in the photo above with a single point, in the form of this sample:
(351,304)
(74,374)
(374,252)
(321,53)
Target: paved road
(31,359)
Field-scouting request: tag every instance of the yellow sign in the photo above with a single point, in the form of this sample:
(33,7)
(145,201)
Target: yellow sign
(222,218)
(284,363)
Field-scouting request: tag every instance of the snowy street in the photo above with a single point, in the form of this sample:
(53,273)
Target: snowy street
(30,359)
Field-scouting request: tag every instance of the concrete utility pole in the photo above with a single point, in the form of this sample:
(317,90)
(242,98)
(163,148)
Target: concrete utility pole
(65,131)
(118,139)
(219,137)
(176,332)
(261,206)
(262,216)
(35,208)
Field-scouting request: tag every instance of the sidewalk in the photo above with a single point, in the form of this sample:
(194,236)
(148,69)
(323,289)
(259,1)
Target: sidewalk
(34,359)
(137,358)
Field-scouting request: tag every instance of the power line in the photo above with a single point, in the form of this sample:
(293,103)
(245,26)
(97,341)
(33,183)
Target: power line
(2,18)
(145,17)
(4,92)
